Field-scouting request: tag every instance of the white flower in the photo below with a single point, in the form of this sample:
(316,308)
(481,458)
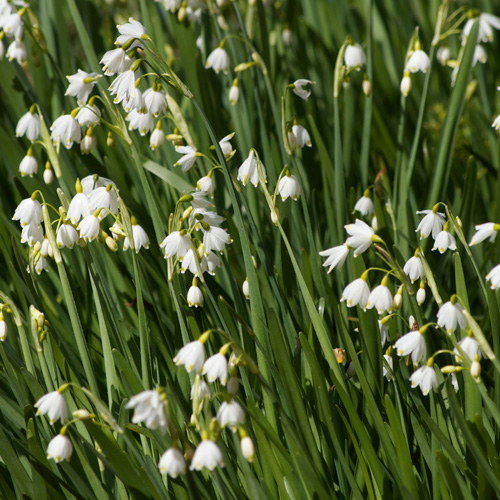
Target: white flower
(470,346)
(356,292)
(195,297)
(365,204)
(40,265)
(17,51)
(12,24)
(143,122)
(433,222)
(450,315)
(48,175)
(206,184)
(419,61)
(201,391)
(29,125)
(208,455)
(496,123)
(187,161)
(230,414)
(148,408)
(115,61)
(65,129)
(301,137)
(88,115)
(226,147)
(31,234)
(89,227)
(199,200)
(444,240)
(60,448)
(157,138)
(213,261)
(155,100)
(211,218)
(354,56)
(192,356)
(189,263)
(380,298)
(388,374)
(405,85)
(485,231)
(140,237)
(104,198)
(289,187)
(412,343)
(3,330)
(81,85)
(2,50)
(245,288)
(132,29)
(176,244)
(384,332)
(215,238)
(486,23)
(414,268)
(360,236)
(215,367)
(172,463)
(234,93)
(443,55)
(78,208)
(247,449)
(336,256)
(29,211)
(67,236)
(88,142)
(249,170)
(426,378)
(54,406)
(479,55)
(28,165)
(218,60)
(494,277)
(123,86)
(298,88)
(135,101)
(421,295)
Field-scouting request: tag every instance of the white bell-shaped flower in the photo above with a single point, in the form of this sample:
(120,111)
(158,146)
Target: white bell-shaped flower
(425,378)
(65,130)
(59,449)
(81,85)
(208,455)
(289,187)
(494,277)
(194,296)
(356,293)
(28,165)
(187,161)
(67,236)
(148,408)
(360,236)
(192,356)
(354,56)
(412,343)
(32,234)
(380,298)
(365,204)
(450,315)
(414,268)
(418,61)
(432,223)
(336,256)
(29,125)
(249,170)
(140,237)
(215,367)
(444,241)
(29,211)
(230,414)
(54,406)
(115,61)
(298,88)
(172,462)
(176,244)
(488,231)
(89,227)
(218,60)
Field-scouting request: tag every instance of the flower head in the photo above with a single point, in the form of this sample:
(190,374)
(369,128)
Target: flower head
(354,56)
(215,367)
(194,296)
(289,187)
(412,343)
(132,29)
(176,244)
(155,100)
(419,61)
(298,88)
(336,256)
(249,170)
(29,125)
(380,298)
(89,227)
(360,236)
(60,448)
(433,222)
(470,346)
(414,268)
(488,230)
(29,211)
(148,408)
(218,60)
(140,237)
(425,378)
(81,85)
(494,277)
(365,204)
(67,236)
(356,292)
(192,356)
(54,406)
(208,455)
(28,165)
(172,463)
(450,315)
(65,129)
(230,413)
(444,240)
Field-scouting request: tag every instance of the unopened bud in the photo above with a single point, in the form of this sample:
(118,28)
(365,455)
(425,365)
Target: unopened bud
(82,414)
(339,355)
(421,295)
(406,84)
(246,289)
(367,87)
(247,449)
(111,243)
(475,369)
(275,215)
(110,141)
(3,329)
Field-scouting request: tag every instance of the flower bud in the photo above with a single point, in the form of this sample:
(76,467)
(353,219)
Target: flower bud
(475,369)
(234,93)
(110,141)
(3,329)
(82,414)
(48,174)
(275,215)
(286,36)
(247,449)
(246,289)
(367,87)
(111,243)
(350,370)
(405,84)
(339,355)
(421,295)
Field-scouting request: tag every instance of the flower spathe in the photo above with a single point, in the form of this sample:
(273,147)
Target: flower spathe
(192,356)
(172,462)
(207,455)
(148,408)
(54,406)
(59,449)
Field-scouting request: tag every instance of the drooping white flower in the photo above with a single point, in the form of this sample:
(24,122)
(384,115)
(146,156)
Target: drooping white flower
(29,211)
(3,330)
(123,86)
(230,413)
(104,198)
(215,367)
(412,343)
(199,200)
(365,204)
(388,374)
(130,30)
(172,463)
(414,268)
(215,238)
(208,216)
(247,449)
(81,85)
(17,51)
(140,237)
(218,60)
(208,455)
(155,100)
(88,115)
(148,408)
(360,236)
(79,207)
(380,298)
(444,240)
(249,170)
(187,161)
(189,263)
(443,55)
(234,93)
(67,236)
(59,449)
(192,356)
(28,165)
(425,378)
(450,315)
(176,244)
(384,332)
(143,122)
(213,261)
(226,147)
(88,142)
(289,187)
(157,138)
(115,61)
(65,129)
(486,23)
(433,222)
(29,125)
(54,406)
(32,234)
(470,346)
(194,296)
(89,227)
(206,184)
(356,292)
(496,123)
(298,88)
(479,55)
(134,102)
(488,230)
(336,256)
(301,137)
(405,85)
(494,277)
(201,389)
(419,61)
(245,288)
(354,56)
(12,24)
(421,294)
